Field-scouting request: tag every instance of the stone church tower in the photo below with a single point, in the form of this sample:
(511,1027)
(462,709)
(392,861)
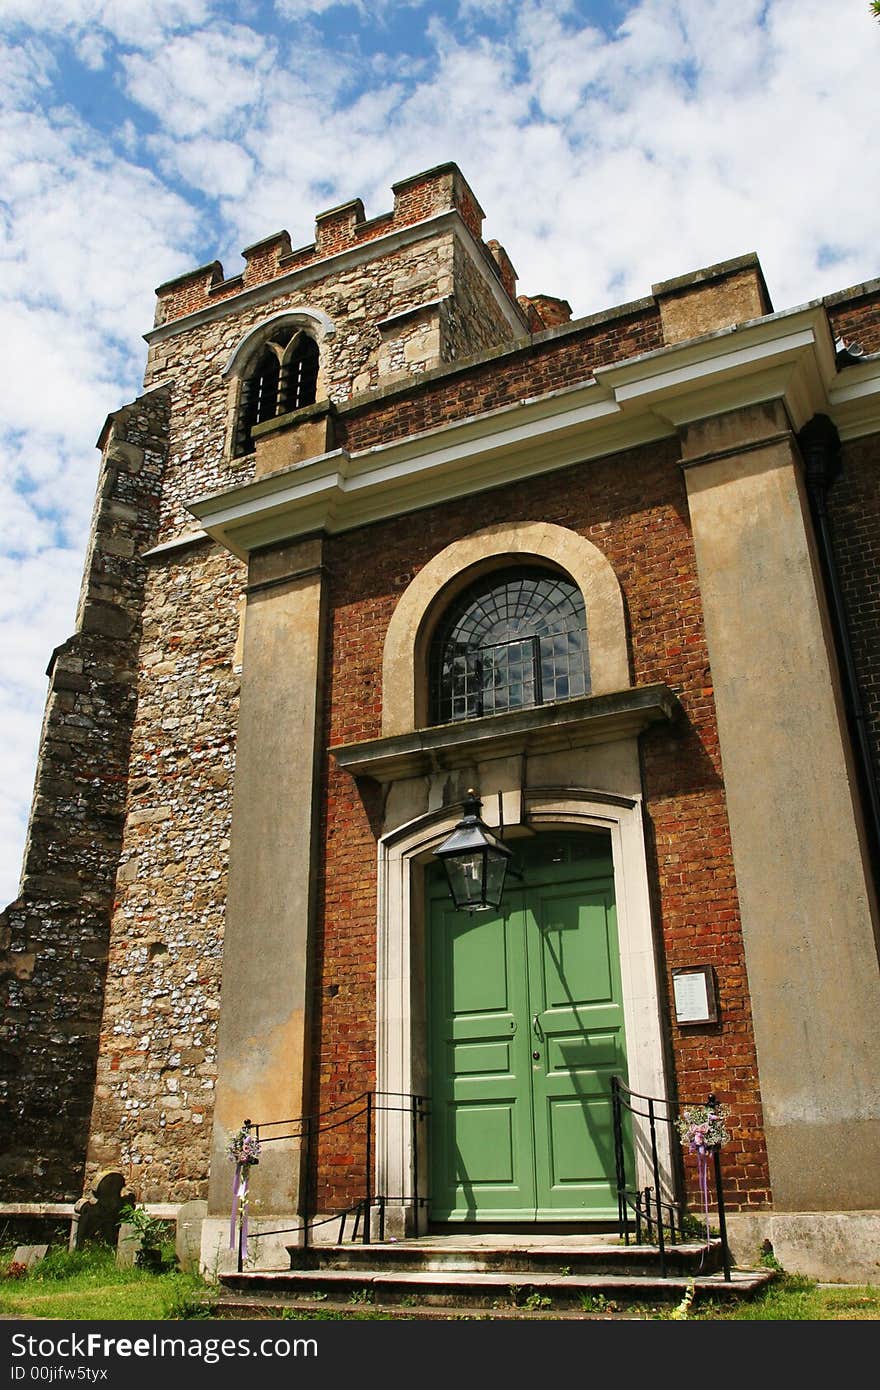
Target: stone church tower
(379,531)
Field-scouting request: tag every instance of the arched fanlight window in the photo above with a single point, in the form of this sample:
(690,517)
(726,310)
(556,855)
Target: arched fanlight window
(514,639)
(283,376)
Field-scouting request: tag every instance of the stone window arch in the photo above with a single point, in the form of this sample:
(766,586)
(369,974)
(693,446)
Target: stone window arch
(514,638)
(541,545)
(275,369)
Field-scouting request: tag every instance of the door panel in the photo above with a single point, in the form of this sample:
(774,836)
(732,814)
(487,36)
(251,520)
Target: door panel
(516,1136)
(481,1162)
(574,979)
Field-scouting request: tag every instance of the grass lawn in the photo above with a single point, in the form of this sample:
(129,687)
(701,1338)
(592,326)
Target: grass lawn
(88,1285)
(793,1298)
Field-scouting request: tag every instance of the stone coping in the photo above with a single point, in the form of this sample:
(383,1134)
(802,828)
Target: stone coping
(165,1211)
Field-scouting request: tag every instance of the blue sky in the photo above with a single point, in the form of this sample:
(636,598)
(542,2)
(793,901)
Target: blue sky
(612,145)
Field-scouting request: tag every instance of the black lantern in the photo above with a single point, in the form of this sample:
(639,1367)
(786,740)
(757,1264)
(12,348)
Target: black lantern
(476,861)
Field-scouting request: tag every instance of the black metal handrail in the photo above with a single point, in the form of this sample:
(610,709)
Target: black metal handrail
(307,1128)
(652,1211)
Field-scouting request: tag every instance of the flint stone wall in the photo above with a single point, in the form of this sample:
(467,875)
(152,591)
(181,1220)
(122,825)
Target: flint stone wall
(157,1065)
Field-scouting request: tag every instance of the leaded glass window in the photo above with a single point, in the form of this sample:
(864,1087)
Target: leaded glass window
(515,639)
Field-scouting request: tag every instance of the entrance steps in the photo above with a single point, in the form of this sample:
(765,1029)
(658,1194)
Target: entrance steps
(447,1276)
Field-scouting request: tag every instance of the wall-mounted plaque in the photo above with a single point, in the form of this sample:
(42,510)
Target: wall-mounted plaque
(695,996)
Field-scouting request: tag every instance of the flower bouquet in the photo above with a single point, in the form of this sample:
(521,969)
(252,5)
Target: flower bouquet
(244,1148)
(702,1127)
(703,1130)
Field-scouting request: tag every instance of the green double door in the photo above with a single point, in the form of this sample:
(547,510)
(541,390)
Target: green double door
(525,1032)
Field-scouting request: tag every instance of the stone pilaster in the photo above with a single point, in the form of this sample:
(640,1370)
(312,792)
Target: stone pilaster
(263,1037)
(802,876)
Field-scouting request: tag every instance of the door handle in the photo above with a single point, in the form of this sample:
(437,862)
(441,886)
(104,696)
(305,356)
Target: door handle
(536,1027)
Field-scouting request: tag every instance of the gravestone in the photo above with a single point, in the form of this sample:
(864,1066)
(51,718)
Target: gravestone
(98,1214)
(29,1255)
(188,1240)
(127,1245)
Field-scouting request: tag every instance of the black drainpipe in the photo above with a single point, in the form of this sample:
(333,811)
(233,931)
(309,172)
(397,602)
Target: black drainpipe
(820,448)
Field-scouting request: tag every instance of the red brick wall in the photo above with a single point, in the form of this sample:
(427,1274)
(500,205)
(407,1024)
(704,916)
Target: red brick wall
(857,320)
(261,261)
(632,506)
(854,504)
(547,365)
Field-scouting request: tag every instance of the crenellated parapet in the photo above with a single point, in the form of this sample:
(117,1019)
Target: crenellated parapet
(417,199)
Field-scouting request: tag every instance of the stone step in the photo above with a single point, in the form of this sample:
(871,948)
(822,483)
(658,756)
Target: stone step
(371,1287)
(545,1258)
(241,1307)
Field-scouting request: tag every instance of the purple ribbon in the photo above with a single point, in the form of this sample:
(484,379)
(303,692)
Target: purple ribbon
(239,1207)
(703,1164)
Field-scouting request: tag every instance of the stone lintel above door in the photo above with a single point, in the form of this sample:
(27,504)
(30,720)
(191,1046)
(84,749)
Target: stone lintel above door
(572,724)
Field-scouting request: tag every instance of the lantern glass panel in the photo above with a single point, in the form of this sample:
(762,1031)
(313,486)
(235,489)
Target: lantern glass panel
(465,873)
(496,869)
(476,880)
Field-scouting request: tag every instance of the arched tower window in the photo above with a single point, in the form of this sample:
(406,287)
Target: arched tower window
(514,639)
(282,376)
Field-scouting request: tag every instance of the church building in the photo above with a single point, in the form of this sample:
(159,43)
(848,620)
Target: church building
(389,558)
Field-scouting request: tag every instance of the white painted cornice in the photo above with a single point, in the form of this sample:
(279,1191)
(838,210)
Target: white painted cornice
(788,357)
(854,399)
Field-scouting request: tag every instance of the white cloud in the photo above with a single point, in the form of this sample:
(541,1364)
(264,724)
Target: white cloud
(135,23)
(200,80)
(87,231)
(220,168)
(372,10)
(304,9)
(26,71)
(91,49)
(40,346)
(37,603)
(84,237)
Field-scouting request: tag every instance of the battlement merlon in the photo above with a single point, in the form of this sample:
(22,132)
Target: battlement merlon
(416,199)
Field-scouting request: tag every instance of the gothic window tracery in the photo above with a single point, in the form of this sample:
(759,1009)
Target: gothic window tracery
(515,639)
(282,376)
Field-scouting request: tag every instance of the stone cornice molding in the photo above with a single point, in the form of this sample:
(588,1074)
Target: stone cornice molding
(546,728)
(787,356)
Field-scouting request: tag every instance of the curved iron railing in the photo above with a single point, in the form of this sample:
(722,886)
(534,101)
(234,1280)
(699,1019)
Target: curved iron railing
(656,1216)
(307,1128)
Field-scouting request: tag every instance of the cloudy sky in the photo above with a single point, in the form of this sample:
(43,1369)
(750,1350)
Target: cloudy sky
(612,143)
